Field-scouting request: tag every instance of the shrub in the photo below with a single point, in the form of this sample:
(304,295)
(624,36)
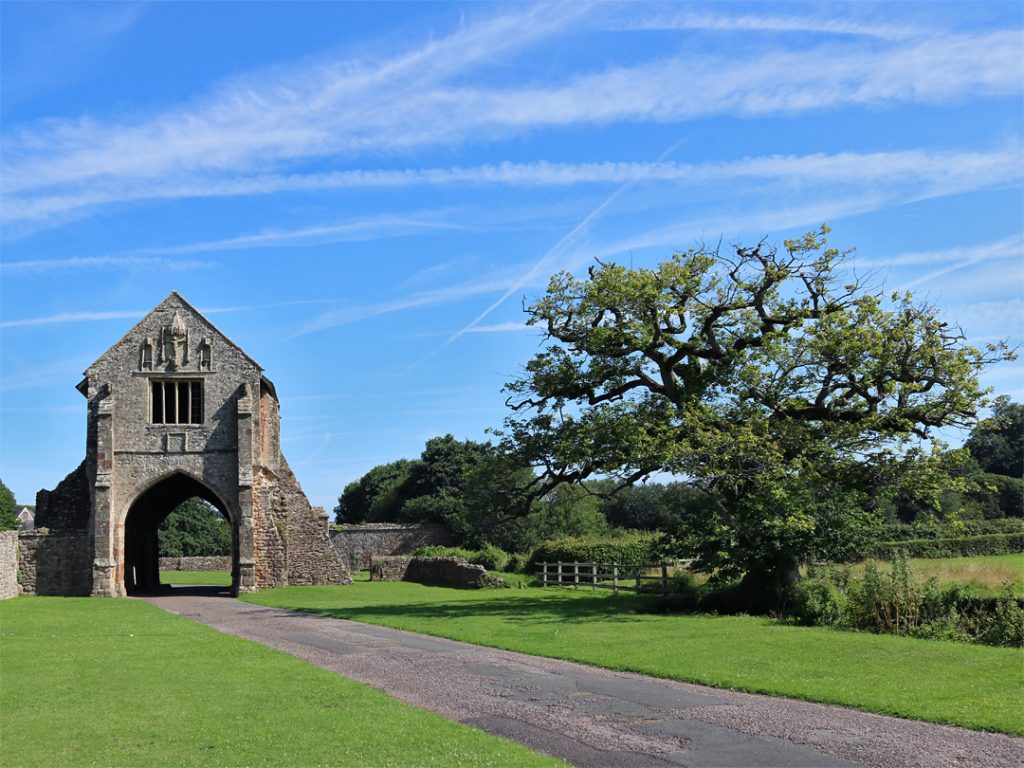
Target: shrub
(629,548)
(490,557)
(1005,624)
(819,602)
(964,546)
(944,530)
(518,563)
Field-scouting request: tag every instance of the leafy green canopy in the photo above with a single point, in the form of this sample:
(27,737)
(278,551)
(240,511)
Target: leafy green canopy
(793,400)
(997,443)
(8,509)
(194,529)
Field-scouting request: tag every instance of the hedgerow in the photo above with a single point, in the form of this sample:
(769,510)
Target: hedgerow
(963,546)
(631,548)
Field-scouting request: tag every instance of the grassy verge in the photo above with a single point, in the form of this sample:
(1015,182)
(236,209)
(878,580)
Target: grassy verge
(974,686)
(197,578)
(119,682)
(984,575)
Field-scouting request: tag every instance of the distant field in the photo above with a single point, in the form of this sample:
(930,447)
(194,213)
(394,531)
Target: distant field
(975,686)
(197,578)
(984,575)
(90,682)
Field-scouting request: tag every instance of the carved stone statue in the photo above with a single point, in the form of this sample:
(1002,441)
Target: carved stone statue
(174,342)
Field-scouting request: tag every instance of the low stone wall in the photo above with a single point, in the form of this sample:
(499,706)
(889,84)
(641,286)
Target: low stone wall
(8,564)
(436,571)
(213,563)
(361,542)
(388,568)
(54,564)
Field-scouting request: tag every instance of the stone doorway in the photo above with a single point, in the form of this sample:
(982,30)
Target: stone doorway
(146,513)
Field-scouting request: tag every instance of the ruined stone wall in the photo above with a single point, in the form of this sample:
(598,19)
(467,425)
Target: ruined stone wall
(211,563)
(360,542)
(66,507)
(389,568)
(54,563)
(8,564)
(312,559)
(436,571)
(268,528)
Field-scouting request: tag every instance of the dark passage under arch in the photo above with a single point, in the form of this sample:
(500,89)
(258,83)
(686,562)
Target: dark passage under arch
(147,512)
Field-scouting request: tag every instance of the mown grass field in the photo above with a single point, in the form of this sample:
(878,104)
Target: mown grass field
(973,686)
(200,578)
(90,681)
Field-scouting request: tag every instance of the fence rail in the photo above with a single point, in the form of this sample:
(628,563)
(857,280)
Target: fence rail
(613,576)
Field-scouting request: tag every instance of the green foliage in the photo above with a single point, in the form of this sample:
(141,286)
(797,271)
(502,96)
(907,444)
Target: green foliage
(897,602)
(937,529)
(653,506)
(1005,624)
(8,509)
(795,400)
(375,495)
(627,548)
(993,544)
(490,557)
(997,443)
(195,528)
(999,495)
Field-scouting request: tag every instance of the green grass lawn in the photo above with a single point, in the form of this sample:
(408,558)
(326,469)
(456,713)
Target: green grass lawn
(200,578)
(90,681)
(985,575)
(970,685)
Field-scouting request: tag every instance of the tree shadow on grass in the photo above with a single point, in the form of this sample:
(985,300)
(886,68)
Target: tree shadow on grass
(533,610)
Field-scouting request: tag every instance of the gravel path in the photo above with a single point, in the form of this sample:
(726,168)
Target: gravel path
(594,717)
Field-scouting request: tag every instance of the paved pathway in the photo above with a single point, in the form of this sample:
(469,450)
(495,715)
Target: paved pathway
(594,717)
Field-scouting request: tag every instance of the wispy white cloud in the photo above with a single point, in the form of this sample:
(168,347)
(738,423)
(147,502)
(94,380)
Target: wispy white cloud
(1008,248)
(994,319)
(815,23)
(49,266)
(439,296)
(373,228)
(509,327)
(74,317)
(932,167)
(348,109)
(60,318)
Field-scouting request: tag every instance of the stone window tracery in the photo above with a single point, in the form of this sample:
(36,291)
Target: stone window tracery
(176,402)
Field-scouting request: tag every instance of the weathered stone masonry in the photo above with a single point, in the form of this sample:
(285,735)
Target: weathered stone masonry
(8,564)
(175,410)
(361,542)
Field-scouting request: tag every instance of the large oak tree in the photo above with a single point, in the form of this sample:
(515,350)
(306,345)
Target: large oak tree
(791,396)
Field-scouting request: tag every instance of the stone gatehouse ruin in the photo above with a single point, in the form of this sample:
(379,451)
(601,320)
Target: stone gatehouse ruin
(176,410)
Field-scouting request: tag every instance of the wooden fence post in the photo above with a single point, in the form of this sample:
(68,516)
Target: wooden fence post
(576,574)
(615,579)
(638,569)
(593,575)
(544,574)
(664,579)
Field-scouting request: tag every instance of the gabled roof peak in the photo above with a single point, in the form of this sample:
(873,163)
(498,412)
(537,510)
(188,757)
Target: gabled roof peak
(176,300)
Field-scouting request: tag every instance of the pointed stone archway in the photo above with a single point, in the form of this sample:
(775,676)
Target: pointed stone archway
(141,572)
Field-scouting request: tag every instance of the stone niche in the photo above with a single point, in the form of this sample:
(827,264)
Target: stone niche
(175,409)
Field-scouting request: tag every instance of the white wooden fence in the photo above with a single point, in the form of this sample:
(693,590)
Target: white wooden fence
(614,576)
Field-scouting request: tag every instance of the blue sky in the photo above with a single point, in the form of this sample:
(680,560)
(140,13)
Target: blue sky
(361,195)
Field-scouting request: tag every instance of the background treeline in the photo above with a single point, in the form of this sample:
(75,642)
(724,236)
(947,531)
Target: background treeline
(460,485)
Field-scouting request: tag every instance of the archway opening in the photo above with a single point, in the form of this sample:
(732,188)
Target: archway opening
(142,525)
